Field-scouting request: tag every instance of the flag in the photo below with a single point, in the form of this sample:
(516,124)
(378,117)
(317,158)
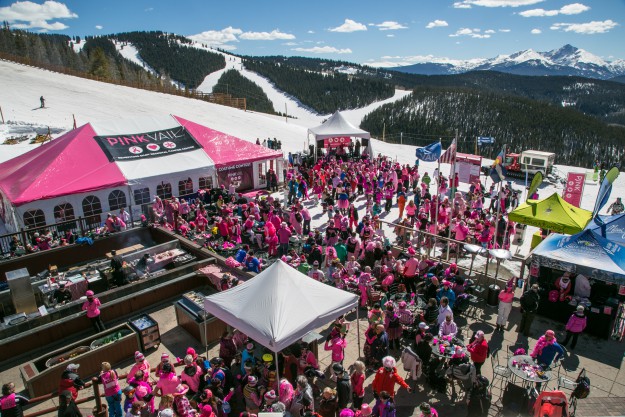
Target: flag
(498,173)
(500,157)
(604,193)
(450,154)
(538,179)
(429,153)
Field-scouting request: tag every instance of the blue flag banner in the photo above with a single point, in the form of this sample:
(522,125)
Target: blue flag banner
(604,193)
(429,153)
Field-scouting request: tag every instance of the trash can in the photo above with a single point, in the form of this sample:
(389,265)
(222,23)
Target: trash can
(519,233)
(493,295)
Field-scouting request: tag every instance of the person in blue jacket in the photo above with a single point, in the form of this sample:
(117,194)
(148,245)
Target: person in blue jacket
(241,254)
(547,349)
(446,292)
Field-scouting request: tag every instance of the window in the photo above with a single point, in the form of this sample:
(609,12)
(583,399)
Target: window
(91,206)
(206,183)
(142,196)
(63,212)
(163,190)
(185,187)
(117,200)
(538,162)
(34,218)
(262,172)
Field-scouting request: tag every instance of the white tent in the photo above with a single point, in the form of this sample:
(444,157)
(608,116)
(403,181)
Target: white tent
(279,306)
(337,126)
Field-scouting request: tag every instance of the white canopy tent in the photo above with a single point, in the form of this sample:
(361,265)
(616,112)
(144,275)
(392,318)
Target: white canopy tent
(337,127)
(279,306)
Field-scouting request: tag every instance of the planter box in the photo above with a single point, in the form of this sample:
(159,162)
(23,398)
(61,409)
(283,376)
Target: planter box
(41,379)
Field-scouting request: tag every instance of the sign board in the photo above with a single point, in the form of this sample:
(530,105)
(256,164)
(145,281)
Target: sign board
(337,142)
(574,188)
(147,145)
(485,140)
(239,175)
(468,167)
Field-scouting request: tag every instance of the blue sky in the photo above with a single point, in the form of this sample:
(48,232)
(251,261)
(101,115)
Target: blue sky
(369,32)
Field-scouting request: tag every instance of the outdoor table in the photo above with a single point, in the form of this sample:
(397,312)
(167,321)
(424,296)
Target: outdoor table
(165,258)
(525,368)
(449,351)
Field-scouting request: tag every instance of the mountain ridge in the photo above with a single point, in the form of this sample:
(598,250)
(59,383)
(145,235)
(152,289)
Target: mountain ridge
(567,60)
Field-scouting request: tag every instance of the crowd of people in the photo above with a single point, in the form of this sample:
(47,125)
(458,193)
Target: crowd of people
(410,298)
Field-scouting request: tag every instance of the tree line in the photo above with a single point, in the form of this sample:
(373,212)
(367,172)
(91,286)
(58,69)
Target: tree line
(323,92)
(97,56)
(172,57)
(232,82)
(521,123)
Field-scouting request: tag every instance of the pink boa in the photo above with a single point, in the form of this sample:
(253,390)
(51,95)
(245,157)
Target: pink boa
(540,345)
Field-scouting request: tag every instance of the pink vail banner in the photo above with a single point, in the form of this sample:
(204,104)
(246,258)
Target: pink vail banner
(336,142)
(574,188)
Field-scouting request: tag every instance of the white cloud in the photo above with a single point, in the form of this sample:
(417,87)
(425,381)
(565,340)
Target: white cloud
(218,38)
(536,32)
(311,31)
(589,28)
(472,33)
(437,24)
(266,36)
(504,30)
(349,26)
(569,9)
(99,27)
(575,8)
(290,43)
(390,25)
(149,9)
(36,16)
(489,31)
(324,50)
(390,35)
(467,4)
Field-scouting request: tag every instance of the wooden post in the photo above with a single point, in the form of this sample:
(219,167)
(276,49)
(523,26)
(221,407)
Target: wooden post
(99,410)
(1,114)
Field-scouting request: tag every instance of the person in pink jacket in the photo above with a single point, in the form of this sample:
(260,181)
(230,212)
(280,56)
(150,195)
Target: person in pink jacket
(337,345)
(505,306)
(141,364)
(575,326)
(92,306)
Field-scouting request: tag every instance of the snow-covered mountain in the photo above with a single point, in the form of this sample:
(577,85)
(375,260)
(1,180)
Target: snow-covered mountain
(567,60)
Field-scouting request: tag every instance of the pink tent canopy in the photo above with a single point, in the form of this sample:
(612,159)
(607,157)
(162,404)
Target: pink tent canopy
(71,164)
(225,149)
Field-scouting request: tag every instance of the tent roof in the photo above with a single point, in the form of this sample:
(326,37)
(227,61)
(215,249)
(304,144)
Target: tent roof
(75,163)
(584,253)
(279,306)
(552,213)
(336,126)
(71,164)
(614,226)
(225,149)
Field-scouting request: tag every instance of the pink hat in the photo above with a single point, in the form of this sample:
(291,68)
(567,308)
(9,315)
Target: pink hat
(446,283)
(270,395)
(411,251)
(139,356)
(402,304)
(252,381)
(191,351)
(346,412)
(164,356)
(550,333)
(206,410)
(89,293)
(365,410)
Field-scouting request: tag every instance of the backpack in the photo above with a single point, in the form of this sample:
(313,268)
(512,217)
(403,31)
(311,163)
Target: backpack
(298,217)
(582,390)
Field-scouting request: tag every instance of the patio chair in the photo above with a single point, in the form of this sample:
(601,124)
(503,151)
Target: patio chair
(501,373)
